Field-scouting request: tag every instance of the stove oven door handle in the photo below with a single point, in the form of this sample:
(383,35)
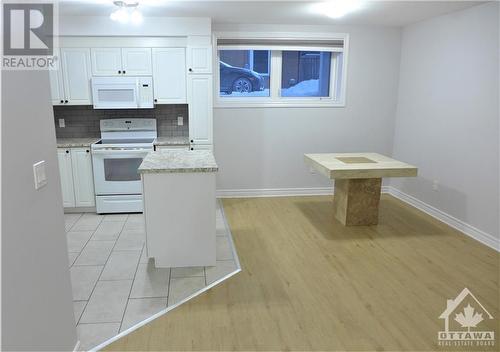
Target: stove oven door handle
(121,151)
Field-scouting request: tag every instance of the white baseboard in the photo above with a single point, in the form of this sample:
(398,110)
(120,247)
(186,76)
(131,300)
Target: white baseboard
(469,230)
(278,192)
(273,192)
(460,225)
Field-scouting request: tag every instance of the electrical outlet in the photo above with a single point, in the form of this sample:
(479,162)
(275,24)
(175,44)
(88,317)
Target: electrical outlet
(39,174)
(62,123)
(435,185)
(180,120)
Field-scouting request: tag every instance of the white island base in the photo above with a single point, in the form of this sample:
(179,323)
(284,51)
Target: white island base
(179,211)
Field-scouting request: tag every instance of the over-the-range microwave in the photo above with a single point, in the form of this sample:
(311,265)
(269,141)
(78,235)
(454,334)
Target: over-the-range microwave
(122,92)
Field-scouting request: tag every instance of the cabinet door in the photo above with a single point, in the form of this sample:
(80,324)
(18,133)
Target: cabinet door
(169,75)
(200,108)
(76,76)
(136,61)
(56,87)
(201,147)
(199,59)
(83,178)
(106,61)
(65,170)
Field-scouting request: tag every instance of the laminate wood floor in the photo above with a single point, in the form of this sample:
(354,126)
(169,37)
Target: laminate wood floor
(309,283)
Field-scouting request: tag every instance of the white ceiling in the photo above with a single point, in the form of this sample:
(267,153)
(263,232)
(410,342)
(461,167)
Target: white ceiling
(386,13)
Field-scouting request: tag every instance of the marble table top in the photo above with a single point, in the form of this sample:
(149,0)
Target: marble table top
(358,165)
(76,142)
(169,161)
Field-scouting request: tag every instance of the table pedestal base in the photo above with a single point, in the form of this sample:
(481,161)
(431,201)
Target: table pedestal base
(356,201)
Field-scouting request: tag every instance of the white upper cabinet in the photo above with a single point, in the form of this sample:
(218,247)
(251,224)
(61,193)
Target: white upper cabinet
(169,75)
(121,61)
(199,59)
(83,180)
(106,61)
(136,61)
(200,109)
(56,87)
(66,174)
(76,76)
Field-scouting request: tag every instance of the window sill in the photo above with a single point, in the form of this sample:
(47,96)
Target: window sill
(283,104)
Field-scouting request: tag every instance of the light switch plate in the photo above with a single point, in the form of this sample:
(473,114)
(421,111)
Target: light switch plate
(180,120)
(62,123)
(39,174)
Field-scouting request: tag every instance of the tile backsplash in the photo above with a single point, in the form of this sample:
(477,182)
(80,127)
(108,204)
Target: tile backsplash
(83,120)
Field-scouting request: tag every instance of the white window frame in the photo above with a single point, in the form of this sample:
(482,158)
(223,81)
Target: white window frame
(275,99)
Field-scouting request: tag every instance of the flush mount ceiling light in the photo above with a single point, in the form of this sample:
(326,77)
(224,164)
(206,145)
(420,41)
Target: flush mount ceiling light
(339,8)
(127,12)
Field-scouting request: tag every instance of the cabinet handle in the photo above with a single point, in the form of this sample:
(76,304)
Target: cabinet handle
(119,71)
(65,102)
(124,71)
(192,141)
(156,100)
(67,151)
(190,69)
(88,151)
(192,148)
(62,101)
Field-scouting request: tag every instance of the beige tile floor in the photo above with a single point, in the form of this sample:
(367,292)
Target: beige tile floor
(115,285)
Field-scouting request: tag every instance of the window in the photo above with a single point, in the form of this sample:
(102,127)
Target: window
(244,73)
(305,74)
(280,72)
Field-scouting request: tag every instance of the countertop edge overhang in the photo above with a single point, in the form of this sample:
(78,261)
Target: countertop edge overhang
(179,161)
(76,142)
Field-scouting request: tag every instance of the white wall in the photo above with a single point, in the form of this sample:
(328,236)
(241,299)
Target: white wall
(262,148)
(37,308)
(447,116)
(152,26)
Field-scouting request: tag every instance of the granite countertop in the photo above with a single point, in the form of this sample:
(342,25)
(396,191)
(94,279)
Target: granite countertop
(76,142)
(171,141)
(170,161)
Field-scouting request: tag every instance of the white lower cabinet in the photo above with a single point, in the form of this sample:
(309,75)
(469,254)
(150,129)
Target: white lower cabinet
(202,147)
(66,172)
(83,179)
(77,180)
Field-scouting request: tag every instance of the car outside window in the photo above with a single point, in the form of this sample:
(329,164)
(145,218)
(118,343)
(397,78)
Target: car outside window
(244,73)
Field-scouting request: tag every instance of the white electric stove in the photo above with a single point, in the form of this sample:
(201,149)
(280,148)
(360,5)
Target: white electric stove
(116,159)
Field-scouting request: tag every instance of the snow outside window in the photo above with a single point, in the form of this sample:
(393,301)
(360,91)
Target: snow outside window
(305,73)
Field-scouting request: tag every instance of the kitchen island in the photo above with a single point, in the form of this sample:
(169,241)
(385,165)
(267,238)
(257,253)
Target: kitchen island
(179,207)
